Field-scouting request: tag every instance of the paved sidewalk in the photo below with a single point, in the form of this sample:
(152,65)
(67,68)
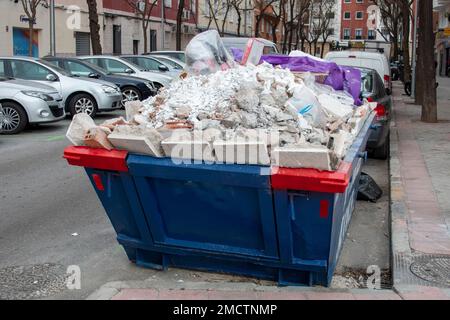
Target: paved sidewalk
(160,289)
(420,184)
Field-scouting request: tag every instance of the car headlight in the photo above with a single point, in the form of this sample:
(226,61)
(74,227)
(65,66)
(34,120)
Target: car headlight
(150,85)
(39,95)
(109,89)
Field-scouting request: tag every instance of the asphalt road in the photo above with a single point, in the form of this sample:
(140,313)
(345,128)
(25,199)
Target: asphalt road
(49,213)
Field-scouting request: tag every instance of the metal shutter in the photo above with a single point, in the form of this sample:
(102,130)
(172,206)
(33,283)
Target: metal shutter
(82,43)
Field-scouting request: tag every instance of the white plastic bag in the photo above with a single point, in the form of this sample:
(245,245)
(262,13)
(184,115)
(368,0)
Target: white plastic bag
(206,54)
(305,102)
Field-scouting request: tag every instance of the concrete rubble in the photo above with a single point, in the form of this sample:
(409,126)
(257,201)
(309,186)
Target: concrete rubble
(258,115)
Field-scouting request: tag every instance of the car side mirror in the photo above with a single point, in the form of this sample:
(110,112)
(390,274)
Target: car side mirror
(163,68)
(388,91)
(51,77)
(94,75)
(129,71)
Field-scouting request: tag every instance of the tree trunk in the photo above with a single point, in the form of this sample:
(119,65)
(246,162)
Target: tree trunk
(406,25)
(257,24)
(274,34)
(239,22)
(322,48)
(291,37)
(31,31)
(94,27)
(145,33)
(419,79)
(427,62)
(179,22)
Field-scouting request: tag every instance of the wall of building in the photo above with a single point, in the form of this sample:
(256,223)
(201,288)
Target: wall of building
(118,12)
(12,16)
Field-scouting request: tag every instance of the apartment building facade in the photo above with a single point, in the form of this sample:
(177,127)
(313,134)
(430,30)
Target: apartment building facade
(230,18)
(120,27)
(123,32)
(72,31)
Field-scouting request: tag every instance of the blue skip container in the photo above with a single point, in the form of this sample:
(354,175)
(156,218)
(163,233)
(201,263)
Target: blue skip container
(285,225)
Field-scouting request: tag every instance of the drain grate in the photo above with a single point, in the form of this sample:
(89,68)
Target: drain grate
(433,269)
(31,282)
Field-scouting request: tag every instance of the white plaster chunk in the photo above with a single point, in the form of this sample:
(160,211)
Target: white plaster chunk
(302,156)
(253,152)
(80,124)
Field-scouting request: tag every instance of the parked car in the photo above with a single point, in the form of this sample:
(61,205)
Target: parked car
(132,88)
(173,62)
(372,89)
(80,95)
(241,43)
(24,102)
(116,65)
(151,63)
(364,59)
(180,55)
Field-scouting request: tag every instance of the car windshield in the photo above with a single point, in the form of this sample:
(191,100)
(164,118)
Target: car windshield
(94,67)
(56,68)
(169,62)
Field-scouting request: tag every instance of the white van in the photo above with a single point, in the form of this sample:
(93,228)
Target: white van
(364,59)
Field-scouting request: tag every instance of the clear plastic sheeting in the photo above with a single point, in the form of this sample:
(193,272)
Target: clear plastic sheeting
(206,54)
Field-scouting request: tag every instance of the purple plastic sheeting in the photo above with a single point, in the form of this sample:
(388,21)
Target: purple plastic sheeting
(339,77)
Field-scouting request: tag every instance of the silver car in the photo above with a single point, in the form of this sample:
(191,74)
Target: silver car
(23,102)
(80,95)
(152,64)
(117,65)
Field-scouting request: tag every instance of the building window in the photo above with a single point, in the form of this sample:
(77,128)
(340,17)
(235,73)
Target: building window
(347,1)
(359,1)
(358,34)
(346,34)
(168,3)
(371,35)
(359,15)
(347,15)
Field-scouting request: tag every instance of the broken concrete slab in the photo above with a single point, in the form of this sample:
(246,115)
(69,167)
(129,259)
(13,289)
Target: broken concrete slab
(80,124)
(97,138)
(135,144)
(239,151)
(188,146)
(132,108)
(302,156)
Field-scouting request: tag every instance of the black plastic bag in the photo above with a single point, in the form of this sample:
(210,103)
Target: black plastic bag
(368,189)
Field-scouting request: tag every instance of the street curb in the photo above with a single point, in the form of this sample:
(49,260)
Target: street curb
(401,255)
(112,289)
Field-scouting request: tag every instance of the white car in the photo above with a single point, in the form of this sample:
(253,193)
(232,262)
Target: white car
(117,65)
(364,59)
(23,102)
(80,95)
(174,63)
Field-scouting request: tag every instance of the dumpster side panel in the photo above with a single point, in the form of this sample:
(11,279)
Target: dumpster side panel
(117,194)
(304,222)
(227,210)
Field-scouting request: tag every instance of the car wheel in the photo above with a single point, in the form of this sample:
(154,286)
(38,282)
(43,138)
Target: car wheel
(13,118)
(130,94)
(83,103)
(382,152)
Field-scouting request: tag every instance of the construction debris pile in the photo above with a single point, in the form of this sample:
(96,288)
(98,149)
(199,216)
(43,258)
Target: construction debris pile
(246,115)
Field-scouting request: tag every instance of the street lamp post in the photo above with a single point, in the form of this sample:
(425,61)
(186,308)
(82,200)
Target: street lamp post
(52,29)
